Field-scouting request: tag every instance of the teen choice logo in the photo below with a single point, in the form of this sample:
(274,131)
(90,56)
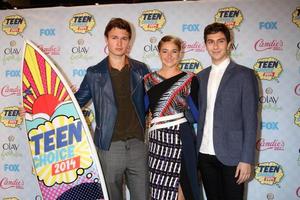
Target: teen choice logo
(268,173)
(152,20)
(13,24)
(82,22)
(191,65)
(10,117)
(296,16)
(297,118)
(268,68)
(230,16)
(60,150)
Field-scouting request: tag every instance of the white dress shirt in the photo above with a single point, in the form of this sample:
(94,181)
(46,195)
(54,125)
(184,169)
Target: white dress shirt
(215,76)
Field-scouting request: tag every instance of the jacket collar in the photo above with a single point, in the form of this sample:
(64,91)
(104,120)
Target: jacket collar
(104,65)
(225,77)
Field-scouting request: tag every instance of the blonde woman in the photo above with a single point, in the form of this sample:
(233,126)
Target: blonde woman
(172,153)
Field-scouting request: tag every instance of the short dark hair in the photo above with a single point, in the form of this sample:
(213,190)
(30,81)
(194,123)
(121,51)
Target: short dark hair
(215,28)
(169,38)
(118,23)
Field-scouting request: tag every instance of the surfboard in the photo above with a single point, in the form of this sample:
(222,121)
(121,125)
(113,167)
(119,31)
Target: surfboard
(64,157)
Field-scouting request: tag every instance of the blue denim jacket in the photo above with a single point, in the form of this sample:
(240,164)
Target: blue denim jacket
(97,86)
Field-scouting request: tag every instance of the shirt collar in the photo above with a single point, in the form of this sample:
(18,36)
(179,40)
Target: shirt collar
(125,65)
(222,66)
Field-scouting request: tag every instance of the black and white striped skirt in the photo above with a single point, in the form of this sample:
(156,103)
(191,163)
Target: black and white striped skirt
(165,148)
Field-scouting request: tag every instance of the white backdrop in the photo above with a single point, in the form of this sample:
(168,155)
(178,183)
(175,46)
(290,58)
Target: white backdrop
(267,39)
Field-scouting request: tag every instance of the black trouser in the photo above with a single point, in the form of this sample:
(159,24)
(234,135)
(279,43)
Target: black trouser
(185,182)
(218,179)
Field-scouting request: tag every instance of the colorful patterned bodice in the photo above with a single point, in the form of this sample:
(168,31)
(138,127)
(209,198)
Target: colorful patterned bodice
(168,96)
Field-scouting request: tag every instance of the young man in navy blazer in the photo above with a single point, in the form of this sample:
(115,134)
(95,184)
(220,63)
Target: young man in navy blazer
(227,126)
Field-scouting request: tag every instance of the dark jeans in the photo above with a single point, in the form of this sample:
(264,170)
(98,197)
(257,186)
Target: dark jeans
(218,179)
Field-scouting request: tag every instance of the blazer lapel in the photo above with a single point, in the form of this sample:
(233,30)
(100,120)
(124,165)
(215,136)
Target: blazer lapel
(203,86)
(226,76)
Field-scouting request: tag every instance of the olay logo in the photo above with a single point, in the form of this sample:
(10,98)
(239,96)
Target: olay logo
(6,183)
(6,91)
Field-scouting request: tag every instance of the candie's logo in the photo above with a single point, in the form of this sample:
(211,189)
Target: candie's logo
(13,24)
(7,183)
(268,173)
(152,20)
(191,65)
(263,45)
(82,22)
(268,68)
(7,90)
(296,17)
(297,118)
(230,16)
(193,46)
(10,117)
(52,50)
(263,145)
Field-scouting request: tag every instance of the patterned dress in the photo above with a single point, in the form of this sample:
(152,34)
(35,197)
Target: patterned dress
(169,133)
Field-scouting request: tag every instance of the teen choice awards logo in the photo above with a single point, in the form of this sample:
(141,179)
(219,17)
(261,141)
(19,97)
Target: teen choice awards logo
(13,24)
(268,173)
(10,117)
(191,65)
(296,16)
(82,22)
(230,16)
(152,20)
(297,118)
(60,154)
(268,68)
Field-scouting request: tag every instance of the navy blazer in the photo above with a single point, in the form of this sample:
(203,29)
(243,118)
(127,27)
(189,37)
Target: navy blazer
(235,114)
(97,86)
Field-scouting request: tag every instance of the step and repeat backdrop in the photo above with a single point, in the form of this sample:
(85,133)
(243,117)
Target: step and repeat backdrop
(266,39)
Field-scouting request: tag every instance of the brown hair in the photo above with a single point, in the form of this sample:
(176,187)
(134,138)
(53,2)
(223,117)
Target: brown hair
(118,23)
(215,28)
(169,38)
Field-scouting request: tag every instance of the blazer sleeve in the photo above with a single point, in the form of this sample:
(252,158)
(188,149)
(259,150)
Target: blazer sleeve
(250,95)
